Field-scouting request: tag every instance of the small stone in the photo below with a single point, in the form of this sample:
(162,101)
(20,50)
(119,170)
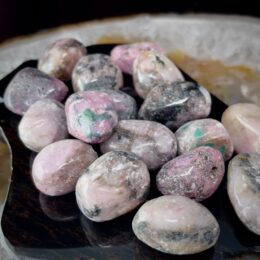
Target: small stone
(42,124)
(59,59)
(242,121)
(176,104)
(30,85)
(195,174)
(176,225)
(96,71)
(124,55)
(116,183)
(244,189)
(152,142)
(204,132)
(58,166)
(91,116)
(152,69)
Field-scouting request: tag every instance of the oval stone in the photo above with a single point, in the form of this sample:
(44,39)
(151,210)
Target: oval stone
(152,69)
(30,85)
(176,104)
(57,167)
(244,189)
(242,121)
(152,142)
(124,55)
(91,116)
(116,183)
(96,71)
(42,124)
(204,132)
(59,59)
(196,174)
(176,225)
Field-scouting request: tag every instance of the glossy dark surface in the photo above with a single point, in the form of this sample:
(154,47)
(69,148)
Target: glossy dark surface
(44,227)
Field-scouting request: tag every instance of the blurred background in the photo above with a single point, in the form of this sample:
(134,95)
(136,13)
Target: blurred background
(19,17)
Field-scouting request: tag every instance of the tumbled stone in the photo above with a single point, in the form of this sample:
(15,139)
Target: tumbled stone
(59,59)
(91,116)
(152,69)
(113,185)
(152,142)
(42,124)
(195,174)
(124,55)
(204,132)
(30,85)
(176,225)
(96,71)
(244,189)
(58,166)
(242,121)
(176,104)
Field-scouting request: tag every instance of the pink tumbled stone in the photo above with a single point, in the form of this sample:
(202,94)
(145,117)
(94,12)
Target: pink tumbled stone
(124,55)
(58,166)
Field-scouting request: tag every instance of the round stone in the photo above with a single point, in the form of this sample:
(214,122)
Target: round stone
(91,116)
(96,71)
(42,124)
(242,121)
(58,166)
(152,69)
(176,104)
(176,225)
(244,189)
(124,55)
(196,174)
(59,59)
(113,185)
(152,142)
(30,85)
(204,132)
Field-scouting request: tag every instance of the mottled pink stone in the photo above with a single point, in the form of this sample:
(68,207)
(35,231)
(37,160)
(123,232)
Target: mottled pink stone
(196,174)
(58,166)
(124,55)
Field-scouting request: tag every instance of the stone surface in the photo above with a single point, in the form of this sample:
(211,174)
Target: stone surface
(124,55)
(176,104)
(204,132)
(59,58)
(242,121)
(30,85)
(195,174)
(152,142)
(113,185)
(176,225)
(91,116)
(42,124)
(152,69)
(58,166)
(95,71)
(244,189)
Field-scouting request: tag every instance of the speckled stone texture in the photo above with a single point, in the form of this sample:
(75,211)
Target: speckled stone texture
(42,124)
(95,71)
(176,225)
(152,142)
(58,166)
(113,185)
(152,69)
(204,132)
(244,189)
(196,174)
(30,85)
(176,104)
(59,58)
